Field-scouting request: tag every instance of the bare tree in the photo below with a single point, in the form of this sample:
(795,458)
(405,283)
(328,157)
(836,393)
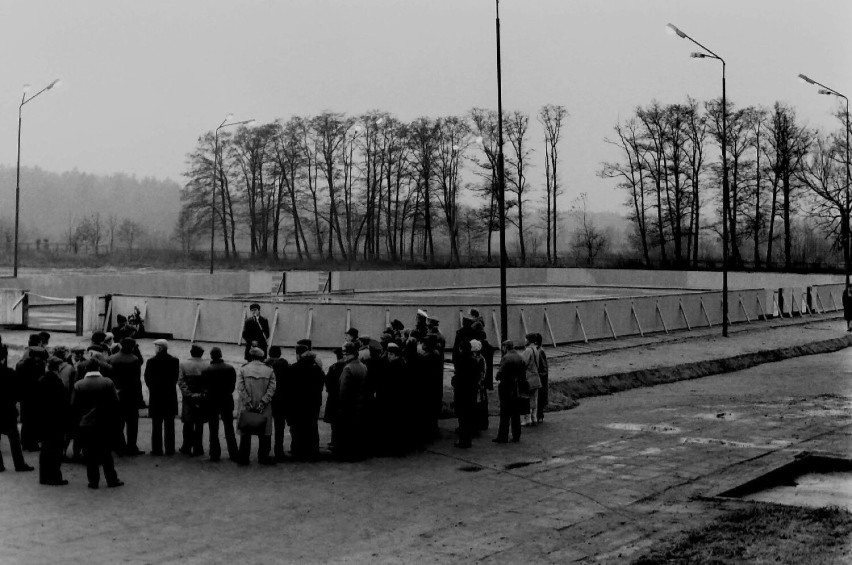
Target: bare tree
(552,118)
(130,231)
(518,162)
(588,239)
(452,143)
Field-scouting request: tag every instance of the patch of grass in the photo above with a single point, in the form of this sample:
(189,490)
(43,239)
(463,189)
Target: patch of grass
(764,533)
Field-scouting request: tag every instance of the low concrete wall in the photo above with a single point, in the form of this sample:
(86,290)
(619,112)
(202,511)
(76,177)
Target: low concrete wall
(220,320)
(443,278)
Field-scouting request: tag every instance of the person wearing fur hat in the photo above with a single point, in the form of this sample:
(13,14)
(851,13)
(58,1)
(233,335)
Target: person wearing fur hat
(255,331)
(194,408)
(256,388)
(304,389)
(161,376)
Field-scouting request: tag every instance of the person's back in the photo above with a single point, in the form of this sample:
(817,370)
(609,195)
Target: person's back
(95,400)
(126,374)
(221,378)
(161,377)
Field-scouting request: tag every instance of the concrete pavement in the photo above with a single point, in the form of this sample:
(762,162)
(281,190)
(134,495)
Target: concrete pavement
(598,483)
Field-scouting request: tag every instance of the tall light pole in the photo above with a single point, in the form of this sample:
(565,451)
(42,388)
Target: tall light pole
(24,100)
(501,195)
(224,124)
(707,54)
(844,229)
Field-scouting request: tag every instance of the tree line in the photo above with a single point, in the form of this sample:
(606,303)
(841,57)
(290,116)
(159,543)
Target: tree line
(779,169)
(333,186)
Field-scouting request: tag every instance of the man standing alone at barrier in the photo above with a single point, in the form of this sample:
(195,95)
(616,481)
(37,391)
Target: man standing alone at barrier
(221,377)
(194,410)
(126,374)
(509,376)
(161,377)
(96,403)
(255,331)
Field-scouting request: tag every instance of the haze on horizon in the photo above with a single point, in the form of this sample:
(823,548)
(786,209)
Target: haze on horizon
(142,80)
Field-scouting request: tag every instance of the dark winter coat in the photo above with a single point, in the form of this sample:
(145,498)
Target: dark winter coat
(332,389)
(221,379)
(281,368)
(8,398)
(511,373)
(126,374)
(95,404)
(465,381)
(194,389)
(54,407)
(161,377)
(304,389)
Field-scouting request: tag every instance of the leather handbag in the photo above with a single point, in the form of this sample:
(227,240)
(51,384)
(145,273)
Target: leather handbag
(252,423)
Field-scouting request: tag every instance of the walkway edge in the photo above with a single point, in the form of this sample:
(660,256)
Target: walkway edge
(584,387)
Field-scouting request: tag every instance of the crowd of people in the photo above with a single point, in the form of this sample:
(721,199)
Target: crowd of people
(383,397)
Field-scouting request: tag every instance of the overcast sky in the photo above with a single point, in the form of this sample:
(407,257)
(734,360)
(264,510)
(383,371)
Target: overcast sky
(142,79)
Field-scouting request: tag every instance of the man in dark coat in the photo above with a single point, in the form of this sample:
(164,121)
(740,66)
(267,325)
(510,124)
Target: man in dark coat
(9,413)
(255,331)
(126,374)
(279,399)
(161,377)
(54,405)
(441,341)
(29,370)
(465,388)
(221,378)
(123,329)
(304,385)
(511,373)
(847,307)
(464,333)
(194,408)
(332,399)
(95,402)
(352,407)
(432,365)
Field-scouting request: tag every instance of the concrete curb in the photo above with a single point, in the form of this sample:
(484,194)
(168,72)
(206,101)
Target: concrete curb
(607,384)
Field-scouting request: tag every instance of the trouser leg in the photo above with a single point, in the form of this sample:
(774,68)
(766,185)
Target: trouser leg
(263,448)
(15,447)
(280,423)
(169,434)
(156,435)
(215,446)
(49,461)
(198,438)
(230,437)
(90,456)
(186,443)
(503,428)
(245,449)
(108,463)
(132,418)
(533,405)
(516,425)
(543,398)
(28,437)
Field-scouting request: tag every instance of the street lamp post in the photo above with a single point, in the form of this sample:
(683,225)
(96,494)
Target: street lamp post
(844,228)
(501,196)
(707,54)
(24,100)
(224,124)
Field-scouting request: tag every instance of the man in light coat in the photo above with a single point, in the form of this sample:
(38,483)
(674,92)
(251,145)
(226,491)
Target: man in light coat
(256,387)
(194,410)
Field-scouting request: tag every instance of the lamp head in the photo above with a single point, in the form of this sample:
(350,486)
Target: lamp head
(52,84)
(229,117)
(26,88)
(805,80)
(824,91)
(251,122)
(671,29)
(697,55)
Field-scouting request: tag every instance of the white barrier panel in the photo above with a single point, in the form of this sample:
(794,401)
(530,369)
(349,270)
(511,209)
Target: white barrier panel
(12,306)
(220,320)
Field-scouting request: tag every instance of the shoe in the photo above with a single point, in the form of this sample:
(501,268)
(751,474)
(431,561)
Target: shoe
(157,453)
(134,453)
(93,485)
(462,445)
(169,453)
(267,461)
(241,462)
(516,439)
(24,469)
(185,451)
(499,440)
(214,459)
(58,483)
(116,484)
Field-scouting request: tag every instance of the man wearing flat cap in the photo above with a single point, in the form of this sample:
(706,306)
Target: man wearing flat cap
(161,377)
(255,331)
(194,410)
